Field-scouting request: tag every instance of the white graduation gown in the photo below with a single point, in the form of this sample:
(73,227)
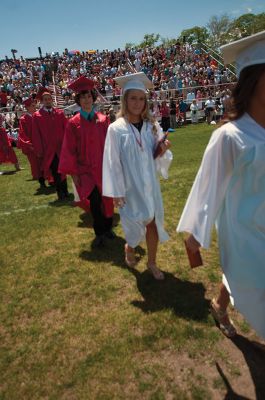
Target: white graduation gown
(229,189)
(130,172)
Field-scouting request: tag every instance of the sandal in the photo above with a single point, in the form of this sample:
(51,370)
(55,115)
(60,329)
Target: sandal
(157,274)
(227,329)
(130,259)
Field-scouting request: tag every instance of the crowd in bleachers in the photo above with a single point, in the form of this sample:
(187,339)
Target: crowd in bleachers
(181,72)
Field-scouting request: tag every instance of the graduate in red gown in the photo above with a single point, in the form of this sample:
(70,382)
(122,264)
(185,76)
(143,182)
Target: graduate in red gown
(7,154)
(48,127)
(82,157)
(25,140)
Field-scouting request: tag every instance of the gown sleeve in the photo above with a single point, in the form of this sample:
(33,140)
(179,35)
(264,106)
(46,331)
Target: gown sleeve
(68,158)
(113,178)
(209,188)
(24,141)
(36,138)
(163,162)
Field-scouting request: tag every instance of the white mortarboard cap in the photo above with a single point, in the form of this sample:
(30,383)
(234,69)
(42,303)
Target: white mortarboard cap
(137,81)
(245,52)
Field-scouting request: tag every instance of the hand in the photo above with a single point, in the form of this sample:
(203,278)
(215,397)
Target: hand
(192,244)
(76,179)
(119,202)
(164,146)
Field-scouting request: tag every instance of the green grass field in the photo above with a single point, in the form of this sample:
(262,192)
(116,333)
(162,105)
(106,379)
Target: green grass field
(76,323)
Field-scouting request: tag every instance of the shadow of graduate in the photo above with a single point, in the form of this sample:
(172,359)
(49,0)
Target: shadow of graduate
(46,191)
(8,172)
(186,299)
(254,354)
(67,202)
(111,253)
(87,221)
(230,394)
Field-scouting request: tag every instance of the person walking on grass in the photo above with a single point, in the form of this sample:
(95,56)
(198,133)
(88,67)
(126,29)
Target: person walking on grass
(130,171)
(25,141)
(48,127)
(230,190)
(82,157)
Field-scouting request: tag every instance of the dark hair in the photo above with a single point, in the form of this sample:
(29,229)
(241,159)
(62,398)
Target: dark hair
(244,90)
(78,95)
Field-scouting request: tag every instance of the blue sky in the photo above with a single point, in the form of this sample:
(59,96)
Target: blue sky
(83,24)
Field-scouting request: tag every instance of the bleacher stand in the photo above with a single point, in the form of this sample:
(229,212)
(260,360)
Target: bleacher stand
(181,72)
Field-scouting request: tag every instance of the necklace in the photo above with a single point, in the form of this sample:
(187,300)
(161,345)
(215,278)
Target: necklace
(139,142)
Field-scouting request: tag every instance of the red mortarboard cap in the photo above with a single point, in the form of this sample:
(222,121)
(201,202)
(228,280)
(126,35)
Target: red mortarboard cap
(41,92)
(81,84)
(28,102)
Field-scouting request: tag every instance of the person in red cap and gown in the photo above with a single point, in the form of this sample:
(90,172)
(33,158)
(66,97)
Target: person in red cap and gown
(48,127)
(25,140)
(82,157)
(7,154)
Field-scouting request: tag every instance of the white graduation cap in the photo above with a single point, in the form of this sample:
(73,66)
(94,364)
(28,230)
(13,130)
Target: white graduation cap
(137,81)
(245,52)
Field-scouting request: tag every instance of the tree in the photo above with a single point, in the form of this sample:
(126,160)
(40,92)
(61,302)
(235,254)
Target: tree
(167,42)
(129,45)
(259,23)
(149,40)
(196,34)
(245,25)
(242,27)
(218,27)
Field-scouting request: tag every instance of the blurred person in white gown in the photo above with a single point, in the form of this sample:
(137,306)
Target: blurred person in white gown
(229,190)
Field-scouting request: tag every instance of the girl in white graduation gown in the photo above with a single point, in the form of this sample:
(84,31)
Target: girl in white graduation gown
(229,190)
(130,171)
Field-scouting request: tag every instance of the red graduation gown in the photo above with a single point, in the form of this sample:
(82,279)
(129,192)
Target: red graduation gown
(7,154)
(25,144)
(82,155)
(47,135)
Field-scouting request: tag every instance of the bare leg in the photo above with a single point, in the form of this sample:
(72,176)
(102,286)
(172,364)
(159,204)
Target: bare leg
(152,244)
(219,312)
(130,259)
(222,302)
(223,297)
(151,241)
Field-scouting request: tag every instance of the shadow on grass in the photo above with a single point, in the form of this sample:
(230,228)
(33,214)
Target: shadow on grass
(8,172)
(68,202)
(186,299)
(230,394)
(87,221)
(112,252)
(46,191)
(254,354)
